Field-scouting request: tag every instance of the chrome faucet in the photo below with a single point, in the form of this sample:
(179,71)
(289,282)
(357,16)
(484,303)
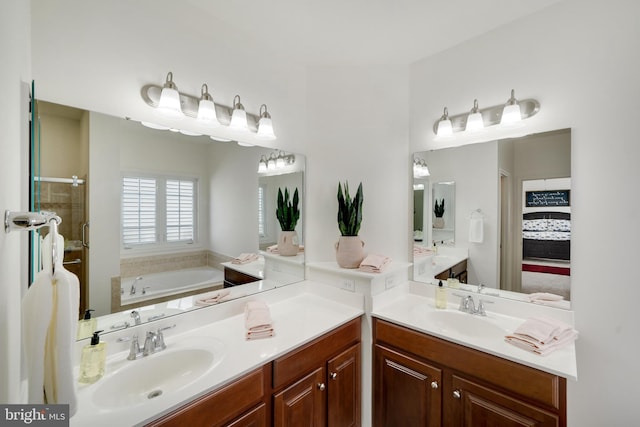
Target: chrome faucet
(132,291)
(467,305)
(150,343)
(136,317)
(134,352)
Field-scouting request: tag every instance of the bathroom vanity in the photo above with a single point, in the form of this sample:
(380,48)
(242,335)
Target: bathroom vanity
(319,381)
(448,368)
(422,380)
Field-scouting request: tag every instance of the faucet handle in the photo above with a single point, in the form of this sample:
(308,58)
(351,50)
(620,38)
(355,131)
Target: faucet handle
(463,301)
(134,351)
(481,303)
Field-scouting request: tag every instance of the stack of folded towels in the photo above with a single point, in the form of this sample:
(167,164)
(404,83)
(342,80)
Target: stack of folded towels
(274,249)
(245,258)
(542,335)
(212,298)
(257,320)
(419,251)
(374,263)
(549,299)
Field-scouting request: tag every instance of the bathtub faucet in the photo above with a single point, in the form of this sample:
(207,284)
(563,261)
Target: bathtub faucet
(133,285)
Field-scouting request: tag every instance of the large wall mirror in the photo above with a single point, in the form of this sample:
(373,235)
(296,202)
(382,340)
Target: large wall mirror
(512,214)
(154,219)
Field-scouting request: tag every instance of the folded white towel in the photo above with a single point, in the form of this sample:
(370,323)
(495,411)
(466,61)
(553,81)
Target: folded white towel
(245,258)
(421,251)
(476,230)
(374,263)
(542,335)
(211,298)
(257,320)
(544,296)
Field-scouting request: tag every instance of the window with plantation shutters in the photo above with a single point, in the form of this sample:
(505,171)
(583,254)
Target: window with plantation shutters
(158,210)
(179,212)
(138,211)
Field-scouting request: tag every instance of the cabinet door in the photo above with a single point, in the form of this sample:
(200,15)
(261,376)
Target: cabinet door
(407,392)
(257,417)
(473,405)
(343,389)
(303,403)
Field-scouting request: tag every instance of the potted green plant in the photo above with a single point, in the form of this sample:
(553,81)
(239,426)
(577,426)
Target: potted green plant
(288,215)
(349,249)
(438,210)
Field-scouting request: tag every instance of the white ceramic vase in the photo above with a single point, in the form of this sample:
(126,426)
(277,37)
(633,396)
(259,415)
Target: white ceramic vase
(288,243)
(349,251)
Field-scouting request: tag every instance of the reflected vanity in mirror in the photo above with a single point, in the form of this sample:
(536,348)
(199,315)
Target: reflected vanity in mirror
(169,222)
(512,216)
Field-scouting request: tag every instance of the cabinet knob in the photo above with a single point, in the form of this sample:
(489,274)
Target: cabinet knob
(333,375)
(321,386)
(457,394)
(434,384)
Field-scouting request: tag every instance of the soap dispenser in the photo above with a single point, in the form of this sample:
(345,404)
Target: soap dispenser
(87,325)
(92,360)
(441,296)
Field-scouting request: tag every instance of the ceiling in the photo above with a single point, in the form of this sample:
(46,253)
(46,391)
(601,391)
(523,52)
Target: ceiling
(363,32)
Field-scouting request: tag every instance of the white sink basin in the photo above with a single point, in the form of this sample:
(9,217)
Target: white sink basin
(154,376)
(457,322)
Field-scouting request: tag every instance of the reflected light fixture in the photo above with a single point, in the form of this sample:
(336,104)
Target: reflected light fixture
(271,164)
(444,125)
(238,116)
(207,108)
(265,126)
(420,168)
(511,115)
(169,103)
(262,164)
(474,120)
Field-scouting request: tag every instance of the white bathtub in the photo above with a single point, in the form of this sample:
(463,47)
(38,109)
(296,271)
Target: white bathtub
(158,285)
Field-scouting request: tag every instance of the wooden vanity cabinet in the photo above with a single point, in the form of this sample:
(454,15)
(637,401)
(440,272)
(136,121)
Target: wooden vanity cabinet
(319,383)
(241,403)
(459,271)
(234,278)
(437,382)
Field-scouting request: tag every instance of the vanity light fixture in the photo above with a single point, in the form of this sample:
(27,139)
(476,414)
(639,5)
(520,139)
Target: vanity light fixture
(262,164)
(505,115)
(444,125)
(420,168)
(265,126)
(238,116)
(474,120)
(207,108)
(205,111)
(217,138)
(511,115)
(275,161)
(169,103)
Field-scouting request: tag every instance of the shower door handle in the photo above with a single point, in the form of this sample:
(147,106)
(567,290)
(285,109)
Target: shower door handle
(84,235)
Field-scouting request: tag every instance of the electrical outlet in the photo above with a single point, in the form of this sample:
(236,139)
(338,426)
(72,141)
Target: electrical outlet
(389,282)
(348,285)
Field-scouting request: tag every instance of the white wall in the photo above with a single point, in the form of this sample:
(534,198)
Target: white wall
(14,72)
(81,60)
(357,132)
(580,60)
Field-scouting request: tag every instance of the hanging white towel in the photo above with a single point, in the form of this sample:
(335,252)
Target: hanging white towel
(50,311)
(476,230)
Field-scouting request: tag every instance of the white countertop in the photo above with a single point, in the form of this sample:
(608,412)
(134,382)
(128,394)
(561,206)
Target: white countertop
(254,268)
(300,313)
(409,308)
